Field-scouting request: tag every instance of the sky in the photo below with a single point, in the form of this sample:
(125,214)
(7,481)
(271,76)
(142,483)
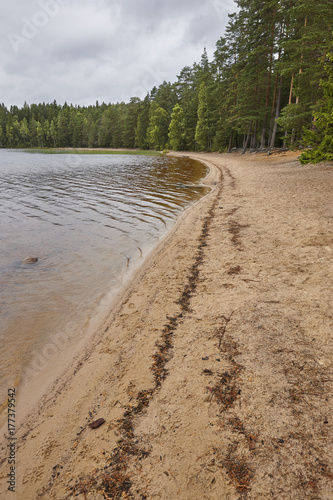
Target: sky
(81,51)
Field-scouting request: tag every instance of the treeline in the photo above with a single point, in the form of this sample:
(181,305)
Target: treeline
(269,84)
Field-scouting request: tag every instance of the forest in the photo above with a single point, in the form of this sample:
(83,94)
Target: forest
(269,85)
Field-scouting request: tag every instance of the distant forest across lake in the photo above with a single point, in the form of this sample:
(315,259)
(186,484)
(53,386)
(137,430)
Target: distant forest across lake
(270,84)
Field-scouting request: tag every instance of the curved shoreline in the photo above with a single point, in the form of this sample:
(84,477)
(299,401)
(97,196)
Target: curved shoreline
(203,370)
(43,370)
(99,330)
(33,402)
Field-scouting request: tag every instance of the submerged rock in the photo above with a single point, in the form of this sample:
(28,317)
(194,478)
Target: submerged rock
(30,260)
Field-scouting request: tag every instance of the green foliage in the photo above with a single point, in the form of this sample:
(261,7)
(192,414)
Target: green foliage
(261,88)
(158,127)
(62,130)
(177,129)
(293,118)
(202,131)
(320,135)
(141,140)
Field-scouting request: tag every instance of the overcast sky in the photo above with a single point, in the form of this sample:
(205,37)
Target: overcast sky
(81,51)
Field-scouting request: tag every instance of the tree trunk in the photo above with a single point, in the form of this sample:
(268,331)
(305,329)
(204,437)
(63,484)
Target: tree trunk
(291,88)
(301,69)
(263,135)
(271,124)
(247,137)
(290,99)
(254,136)
(277,112)
(230,141)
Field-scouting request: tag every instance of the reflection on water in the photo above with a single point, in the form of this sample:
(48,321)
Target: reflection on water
(88,218)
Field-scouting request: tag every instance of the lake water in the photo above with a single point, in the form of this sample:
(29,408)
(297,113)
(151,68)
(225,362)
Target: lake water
(90,220)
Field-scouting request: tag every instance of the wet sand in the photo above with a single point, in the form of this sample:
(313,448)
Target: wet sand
(213,371)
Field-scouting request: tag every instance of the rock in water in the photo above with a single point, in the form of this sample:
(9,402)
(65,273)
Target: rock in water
(30,260)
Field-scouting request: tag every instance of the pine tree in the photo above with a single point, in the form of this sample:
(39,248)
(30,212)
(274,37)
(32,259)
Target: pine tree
(10,136)
(63,135)
(105,129)
(158,127)
(53,133)
(187,90)
(310,36)
(141,140)
(177,128)
(40,134)
(78,132)
(33,132)
(202,132)
(165,97)
(130,122)
(320,134)
(261,88)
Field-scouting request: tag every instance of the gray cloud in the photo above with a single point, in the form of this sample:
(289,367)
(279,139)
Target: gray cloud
(81,51)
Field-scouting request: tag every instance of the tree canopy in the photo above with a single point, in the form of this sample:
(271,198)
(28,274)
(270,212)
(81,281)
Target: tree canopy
(268,85)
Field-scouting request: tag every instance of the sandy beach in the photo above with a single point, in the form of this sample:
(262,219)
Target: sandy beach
(211,378)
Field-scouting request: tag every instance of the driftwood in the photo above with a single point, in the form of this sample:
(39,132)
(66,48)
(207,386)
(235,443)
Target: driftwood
(96,423)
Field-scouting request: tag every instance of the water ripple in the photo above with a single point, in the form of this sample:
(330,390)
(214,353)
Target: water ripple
(87,218)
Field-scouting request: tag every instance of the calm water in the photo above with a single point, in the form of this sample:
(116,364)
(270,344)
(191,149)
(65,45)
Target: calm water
(89,219)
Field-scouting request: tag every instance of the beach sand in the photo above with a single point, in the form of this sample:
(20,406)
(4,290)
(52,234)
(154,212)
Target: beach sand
(213,370)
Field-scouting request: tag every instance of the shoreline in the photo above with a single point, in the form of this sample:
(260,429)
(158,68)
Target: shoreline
(203,351)
(51,362)
(33,395)
(148,152)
